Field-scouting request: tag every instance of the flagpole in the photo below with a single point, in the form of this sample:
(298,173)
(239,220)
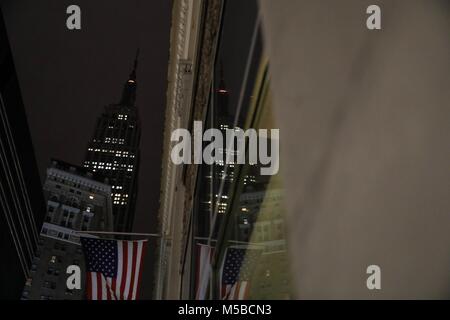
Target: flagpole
(233,241)
(204,238)
(122,233)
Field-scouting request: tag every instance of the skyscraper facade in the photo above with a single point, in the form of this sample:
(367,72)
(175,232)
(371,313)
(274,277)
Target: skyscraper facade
(114,152)
(21,202)
(77,200)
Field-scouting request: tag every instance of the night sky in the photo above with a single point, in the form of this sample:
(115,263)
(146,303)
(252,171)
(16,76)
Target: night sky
(67,77)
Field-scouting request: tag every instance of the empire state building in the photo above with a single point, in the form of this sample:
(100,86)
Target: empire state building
(114,152)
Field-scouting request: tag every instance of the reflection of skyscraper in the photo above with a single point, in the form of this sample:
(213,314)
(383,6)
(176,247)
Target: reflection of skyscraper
(212,175)
(114,152)
(219,177)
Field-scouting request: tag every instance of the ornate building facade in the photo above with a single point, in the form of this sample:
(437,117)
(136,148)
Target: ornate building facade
(77,200)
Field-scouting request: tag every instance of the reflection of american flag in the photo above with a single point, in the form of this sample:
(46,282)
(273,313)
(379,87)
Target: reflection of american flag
(205,254)
(114,268)
(235,273)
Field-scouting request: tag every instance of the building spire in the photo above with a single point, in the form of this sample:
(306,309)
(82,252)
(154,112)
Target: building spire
(129,89)
(133,73)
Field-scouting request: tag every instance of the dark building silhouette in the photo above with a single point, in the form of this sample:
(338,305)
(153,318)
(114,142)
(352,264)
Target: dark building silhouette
(21,202)
(114,152)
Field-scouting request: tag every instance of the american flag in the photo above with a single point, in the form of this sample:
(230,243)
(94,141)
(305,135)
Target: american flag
(236,270)
(113,268)
(205,254)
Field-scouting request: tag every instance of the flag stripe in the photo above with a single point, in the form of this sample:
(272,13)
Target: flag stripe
(119,268)
(129,270)
(133,268)
(137,263)
(102,283)
(110,289)
(234,289)
(242,290)
(124,268)
(144,247)
(205,255)
(94,285)
(113,287)
(89,286)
